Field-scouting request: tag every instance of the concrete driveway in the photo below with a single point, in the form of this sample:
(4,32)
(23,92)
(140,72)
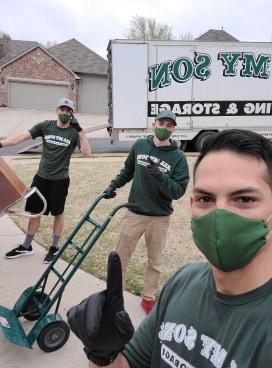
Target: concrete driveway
(15,120)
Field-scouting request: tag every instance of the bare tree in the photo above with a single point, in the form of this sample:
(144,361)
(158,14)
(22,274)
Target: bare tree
(142,28)
(50,44)
(187,36)
(4,36)
(4,41)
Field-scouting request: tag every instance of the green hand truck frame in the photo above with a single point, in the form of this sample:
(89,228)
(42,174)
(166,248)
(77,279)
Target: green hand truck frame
(34,304)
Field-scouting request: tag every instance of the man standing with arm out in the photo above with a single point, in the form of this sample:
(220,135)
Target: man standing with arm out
(160,174)
(60,138)
(215,314)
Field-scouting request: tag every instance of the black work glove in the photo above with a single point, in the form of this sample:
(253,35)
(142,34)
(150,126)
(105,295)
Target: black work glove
(75,124)
(110,192)
(100,321)
(153,169)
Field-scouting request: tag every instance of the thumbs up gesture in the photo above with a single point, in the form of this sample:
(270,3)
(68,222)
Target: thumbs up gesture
(100,321)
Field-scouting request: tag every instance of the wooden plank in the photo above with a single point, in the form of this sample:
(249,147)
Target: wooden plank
(12,188)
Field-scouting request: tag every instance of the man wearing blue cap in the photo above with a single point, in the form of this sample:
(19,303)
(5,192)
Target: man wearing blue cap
(60,138)
(159,173)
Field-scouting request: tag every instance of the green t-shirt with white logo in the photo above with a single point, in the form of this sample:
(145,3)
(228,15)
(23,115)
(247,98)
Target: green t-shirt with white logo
(194,326)
(58,146)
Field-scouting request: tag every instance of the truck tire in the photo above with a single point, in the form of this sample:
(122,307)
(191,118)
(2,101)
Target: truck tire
(200,140)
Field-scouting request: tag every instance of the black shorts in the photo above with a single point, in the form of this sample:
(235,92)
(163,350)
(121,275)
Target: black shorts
(55,193)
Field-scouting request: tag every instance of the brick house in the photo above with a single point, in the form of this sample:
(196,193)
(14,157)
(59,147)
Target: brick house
(34,77)
(91,69)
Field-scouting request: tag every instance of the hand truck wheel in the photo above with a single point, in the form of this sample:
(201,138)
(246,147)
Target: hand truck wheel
(53,336)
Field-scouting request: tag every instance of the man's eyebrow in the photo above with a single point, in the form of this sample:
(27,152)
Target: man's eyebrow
(245,190)
(201,191)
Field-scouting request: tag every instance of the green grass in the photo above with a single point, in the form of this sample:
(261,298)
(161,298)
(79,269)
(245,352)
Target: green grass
(89,177)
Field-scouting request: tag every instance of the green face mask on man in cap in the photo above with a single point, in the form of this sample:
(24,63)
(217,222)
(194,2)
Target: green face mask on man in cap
(64,118)
(162,133)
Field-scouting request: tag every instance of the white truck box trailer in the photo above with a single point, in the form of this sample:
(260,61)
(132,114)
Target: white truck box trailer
(210,86)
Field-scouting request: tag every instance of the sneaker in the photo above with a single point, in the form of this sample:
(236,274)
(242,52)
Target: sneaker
(50,255)
(19,252)
(147,305)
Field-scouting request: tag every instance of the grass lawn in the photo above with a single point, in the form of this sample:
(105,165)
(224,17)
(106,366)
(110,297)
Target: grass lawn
(89,177)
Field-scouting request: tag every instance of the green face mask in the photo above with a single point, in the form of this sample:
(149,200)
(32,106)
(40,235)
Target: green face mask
(162,133)
(227,240)
(64,118)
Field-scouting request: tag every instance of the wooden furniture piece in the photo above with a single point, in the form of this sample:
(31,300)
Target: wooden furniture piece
(12,189)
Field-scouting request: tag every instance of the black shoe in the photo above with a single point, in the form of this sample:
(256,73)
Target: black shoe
(19,252)
(50,255)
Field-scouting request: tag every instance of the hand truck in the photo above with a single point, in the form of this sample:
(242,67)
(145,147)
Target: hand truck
(35,303)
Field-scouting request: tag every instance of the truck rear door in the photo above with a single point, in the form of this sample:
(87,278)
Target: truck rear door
(129,85)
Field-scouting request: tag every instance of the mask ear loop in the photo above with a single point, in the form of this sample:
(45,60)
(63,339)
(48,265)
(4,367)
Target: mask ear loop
(267,220)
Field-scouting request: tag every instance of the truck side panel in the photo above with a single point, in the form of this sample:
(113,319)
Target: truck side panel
(210,86)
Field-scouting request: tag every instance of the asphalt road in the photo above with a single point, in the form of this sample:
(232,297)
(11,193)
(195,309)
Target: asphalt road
(99,145)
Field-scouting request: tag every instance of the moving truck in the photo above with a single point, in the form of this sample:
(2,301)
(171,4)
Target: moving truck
(210,86)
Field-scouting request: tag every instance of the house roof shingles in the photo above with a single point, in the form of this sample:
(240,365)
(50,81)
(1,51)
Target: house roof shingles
(15,48)
(216,35)
(79,58)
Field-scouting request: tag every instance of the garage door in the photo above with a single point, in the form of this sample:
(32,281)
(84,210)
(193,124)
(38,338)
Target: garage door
(35,96)
(93,95)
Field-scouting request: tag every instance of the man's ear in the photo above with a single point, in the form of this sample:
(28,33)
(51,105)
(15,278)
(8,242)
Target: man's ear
(153,124)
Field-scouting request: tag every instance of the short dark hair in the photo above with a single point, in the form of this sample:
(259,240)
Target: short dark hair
(243,142)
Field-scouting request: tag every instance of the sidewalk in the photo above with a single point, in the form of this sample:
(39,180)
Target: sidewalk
(18,274)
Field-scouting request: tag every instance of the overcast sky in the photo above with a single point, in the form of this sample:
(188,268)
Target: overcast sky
(94,22)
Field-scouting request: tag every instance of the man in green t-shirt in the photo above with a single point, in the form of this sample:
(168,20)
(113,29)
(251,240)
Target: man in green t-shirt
(60,138)
(209,315)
